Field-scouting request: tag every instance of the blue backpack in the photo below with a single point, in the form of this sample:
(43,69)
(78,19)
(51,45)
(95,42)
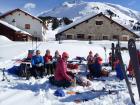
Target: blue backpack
(59,92)
(119,72)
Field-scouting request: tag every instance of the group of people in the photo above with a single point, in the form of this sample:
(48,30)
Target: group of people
(43,64)
(94,63)
(57,66)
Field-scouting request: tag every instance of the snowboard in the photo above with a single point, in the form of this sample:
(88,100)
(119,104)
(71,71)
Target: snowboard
(135,61)
(118,55)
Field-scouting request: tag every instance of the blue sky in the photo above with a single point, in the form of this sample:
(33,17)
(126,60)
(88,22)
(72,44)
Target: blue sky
(37,6)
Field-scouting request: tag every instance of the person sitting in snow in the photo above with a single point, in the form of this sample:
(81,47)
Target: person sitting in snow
(37,62)
(48,62)
(90,61)
(62,77)
(130,68)
(95,67)
(56,57)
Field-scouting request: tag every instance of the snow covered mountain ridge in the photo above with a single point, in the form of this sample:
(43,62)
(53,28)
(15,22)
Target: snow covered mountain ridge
(74,11)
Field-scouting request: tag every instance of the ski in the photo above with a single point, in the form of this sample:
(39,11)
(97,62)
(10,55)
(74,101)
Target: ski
(135,61)
(118,55)
(100,92)
(113,58)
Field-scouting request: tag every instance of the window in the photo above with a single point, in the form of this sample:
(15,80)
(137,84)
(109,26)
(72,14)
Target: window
(27,26)
(124,38)
(99,22)
(89,37)
(115,37)
(105,37)
(80,36)
(69,36)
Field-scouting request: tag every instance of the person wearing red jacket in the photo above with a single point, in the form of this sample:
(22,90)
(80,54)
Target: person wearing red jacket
(96,67)
(48,63)
(90,61)
(61,74)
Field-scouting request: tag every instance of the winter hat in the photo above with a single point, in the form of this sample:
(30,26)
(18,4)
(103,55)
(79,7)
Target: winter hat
(38,51)
(90,52)
(59,92)
(65,54)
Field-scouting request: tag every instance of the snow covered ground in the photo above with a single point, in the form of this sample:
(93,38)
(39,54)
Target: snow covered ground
(20,91)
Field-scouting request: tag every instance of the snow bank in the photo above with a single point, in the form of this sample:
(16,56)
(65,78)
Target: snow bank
(4,39)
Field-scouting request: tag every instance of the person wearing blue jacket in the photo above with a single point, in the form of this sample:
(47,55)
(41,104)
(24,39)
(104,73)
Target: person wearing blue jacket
(37,65)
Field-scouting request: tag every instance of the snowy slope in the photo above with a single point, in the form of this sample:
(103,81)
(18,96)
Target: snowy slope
(85,8)
(76,11)
(39,92)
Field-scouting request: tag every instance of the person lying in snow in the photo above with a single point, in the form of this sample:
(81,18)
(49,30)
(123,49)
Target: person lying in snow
(37,62)
(63,78)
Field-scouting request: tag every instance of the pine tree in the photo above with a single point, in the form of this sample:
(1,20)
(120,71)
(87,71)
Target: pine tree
(55,23)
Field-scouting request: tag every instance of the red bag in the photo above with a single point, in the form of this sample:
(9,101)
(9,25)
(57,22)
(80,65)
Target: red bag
(72,66)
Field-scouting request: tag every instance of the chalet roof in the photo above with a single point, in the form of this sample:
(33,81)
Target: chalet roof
(84,19)
(15,10)
(13,27)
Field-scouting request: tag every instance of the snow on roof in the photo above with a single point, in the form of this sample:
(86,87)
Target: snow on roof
(13,27)
(11,11)
(62,29)
(4,39)
(74,23)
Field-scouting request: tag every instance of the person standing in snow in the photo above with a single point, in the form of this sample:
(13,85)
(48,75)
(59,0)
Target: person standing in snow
(48,62)
(37,62)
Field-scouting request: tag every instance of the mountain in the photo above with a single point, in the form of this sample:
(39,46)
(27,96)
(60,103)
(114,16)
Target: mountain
(0,13)
(75,11)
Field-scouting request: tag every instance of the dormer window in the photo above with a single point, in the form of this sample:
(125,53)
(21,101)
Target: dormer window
(99,22)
